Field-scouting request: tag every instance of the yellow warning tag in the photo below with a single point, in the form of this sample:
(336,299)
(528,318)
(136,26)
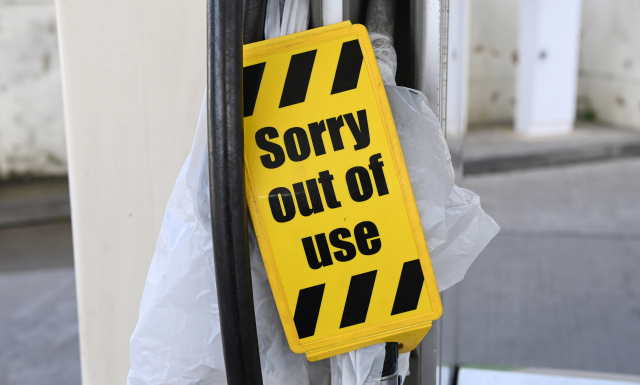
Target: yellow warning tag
(330,196)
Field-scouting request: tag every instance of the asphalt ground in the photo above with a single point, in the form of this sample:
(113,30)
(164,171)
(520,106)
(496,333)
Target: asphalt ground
(559,287)
(38,314)
(500,148)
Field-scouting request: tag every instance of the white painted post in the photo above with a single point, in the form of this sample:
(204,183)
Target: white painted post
(425,32)
(457,69)
(548,66)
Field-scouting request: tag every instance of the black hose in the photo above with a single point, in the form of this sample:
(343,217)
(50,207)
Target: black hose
(390,367)
(253,20)
(226,179)
(381,16)
(315,13)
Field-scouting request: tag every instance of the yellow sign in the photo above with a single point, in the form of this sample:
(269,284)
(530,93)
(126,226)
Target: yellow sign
(330,196)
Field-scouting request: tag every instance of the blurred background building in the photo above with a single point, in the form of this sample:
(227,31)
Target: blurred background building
(31,117)
(549,91)
(608,76)
(608,73)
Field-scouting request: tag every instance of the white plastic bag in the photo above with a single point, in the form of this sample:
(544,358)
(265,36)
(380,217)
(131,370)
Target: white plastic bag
(362,366)
(385,57)
(455,226)
(284,17)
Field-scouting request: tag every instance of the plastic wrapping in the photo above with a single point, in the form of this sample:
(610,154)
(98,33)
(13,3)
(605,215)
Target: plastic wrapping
(284,17)
(385,56)
(361,367)
(455,226)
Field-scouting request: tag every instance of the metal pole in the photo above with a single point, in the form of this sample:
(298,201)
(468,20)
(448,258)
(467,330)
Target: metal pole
(226,179)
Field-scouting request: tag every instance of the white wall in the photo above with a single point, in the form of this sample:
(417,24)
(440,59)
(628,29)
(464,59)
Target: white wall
(609,80)
(134,75)
(493,45)
(31,119)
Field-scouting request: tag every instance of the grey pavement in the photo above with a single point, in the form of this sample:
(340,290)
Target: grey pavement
(39,328)
(35,202)
(499,148)
(36,247)
(559,287)
(38,315)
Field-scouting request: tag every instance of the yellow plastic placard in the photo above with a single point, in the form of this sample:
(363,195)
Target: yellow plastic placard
(330,196)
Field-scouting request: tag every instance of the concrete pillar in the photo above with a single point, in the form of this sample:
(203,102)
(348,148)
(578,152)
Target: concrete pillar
(548,67)
(134,74)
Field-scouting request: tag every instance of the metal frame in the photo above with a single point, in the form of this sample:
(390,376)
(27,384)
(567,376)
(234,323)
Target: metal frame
(435,359)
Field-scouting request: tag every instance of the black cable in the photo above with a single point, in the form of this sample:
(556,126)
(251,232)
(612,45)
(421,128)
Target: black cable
(390,366)
(253,13)
(381,16)
(226,179)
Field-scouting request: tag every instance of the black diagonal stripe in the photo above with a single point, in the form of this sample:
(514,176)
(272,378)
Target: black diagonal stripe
(349,65)
(409,288)
(358,298)
(252,77)
(297,81)
(307,310)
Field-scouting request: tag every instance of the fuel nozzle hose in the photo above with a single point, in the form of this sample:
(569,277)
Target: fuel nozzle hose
(389,374)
